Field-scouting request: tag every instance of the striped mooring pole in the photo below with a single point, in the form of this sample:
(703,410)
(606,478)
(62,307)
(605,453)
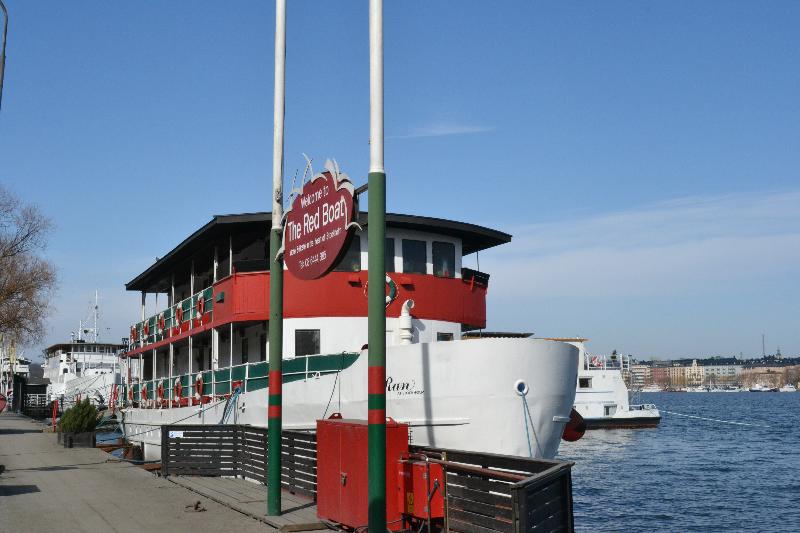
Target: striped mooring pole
(376,233)
(275,423)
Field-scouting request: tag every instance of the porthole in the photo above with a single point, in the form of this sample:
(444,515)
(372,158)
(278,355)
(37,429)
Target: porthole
(521,387)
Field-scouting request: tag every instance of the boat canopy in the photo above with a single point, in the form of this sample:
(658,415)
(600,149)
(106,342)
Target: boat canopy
(249,229)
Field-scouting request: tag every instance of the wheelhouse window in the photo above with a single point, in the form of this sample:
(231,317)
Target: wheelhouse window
(306,342)
(444,259)
(388,253)
(440,336)
(415,257)
(351,261)
(584,383)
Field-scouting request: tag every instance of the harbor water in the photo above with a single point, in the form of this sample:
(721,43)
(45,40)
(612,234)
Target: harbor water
(692,474)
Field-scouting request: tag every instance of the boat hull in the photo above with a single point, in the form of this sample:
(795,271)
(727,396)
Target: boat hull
(456,394)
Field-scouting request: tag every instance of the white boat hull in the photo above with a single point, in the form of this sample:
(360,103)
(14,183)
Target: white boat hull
(456,394)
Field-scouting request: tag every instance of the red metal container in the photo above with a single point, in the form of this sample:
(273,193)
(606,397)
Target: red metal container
(417,485)
(342,471)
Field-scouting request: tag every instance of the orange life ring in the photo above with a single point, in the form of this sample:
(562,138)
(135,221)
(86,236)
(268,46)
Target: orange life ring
(177,388)
(200,306)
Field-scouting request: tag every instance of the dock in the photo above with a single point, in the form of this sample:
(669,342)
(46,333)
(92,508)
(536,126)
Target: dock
(46,487)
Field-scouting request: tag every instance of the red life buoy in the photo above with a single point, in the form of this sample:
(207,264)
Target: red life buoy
(200,306)
(178,315)
(133,333)
(130,393)
(143,392)
(177,388)
(160,390)
(162,323)
(146,329)
(198,387)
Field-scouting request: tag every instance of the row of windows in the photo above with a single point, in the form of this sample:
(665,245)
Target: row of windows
(415,257)
(306,341)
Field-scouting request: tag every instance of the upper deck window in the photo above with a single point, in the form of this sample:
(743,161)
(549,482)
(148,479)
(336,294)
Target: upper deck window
(351,261)
(415,257)
(444,259)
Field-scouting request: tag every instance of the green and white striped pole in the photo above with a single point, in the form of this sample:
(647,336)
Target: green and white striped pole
(276,274)
(376,232)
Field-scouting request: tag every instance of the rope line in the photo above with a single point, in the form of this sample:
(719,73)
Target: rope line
(716,420)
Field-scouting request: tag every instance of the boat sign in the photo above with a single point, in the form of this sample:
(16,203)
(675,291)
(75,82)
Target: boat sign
(176,434)
(319,224)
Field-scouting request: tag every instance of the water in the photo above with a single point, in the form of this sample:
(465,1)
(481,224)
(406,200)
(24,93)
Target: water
(693,475)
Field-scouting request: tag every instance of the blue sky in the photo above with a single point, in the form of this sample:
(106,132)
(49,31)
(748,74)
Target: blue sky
(644,155)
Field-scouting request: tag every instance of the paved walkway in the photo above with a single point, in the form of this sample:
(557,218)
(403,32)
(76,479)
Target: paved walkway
(46,487)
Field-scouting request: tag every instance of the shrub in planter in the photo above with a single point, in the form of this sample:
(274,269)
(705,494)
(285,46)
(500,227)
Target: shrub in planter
(78,424)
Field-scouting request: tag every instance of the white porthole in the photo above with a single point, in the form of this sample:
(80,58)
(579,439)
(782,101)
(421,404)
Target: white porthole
(521,387)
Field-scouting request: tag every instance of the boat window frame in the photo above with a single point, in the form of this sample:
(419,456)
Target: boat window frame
(318,341)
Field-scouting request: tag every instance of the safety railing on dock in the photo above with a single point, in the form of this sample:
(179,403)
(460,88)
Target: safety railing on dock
(239,451)
(483,492)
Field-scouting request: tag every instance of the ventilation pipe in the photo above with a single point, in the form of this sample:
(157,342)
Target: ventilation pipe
(406,329)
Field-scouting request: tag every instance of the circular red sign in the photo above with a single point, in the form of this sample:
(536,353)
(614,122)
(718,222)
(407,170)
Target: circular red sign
(318,225)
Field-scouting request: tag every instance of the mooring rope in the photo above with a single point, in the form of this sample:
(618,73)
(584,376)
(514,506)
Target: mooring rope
(533,428)
(716,420)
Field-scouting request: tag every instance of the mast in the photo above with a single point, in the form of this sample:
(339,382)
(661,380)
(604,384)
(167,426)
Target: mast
(274,415)
(376,234)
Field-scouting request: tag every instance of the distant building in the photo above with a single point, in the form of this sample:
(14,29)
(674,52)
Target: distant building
(694,374)
(640,376)
(719,375)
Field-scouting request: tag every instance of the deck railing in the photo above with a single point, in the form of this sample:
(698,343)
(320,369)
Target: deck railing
(222,382)
(190,312)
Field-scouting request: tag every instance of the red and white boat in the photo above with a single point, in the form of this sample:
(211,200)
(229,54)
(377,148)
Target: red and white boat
(202,359)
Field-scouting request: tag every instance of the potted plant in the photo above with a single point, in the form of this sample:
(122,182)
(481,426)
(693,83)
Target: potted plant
(77,425)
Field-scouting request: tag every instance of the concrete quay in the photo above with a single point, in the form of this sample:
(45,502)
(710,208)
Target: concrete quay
(46,487)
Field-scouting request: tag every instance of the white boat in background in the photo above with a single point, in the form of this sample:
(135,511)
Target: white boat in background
(82,368)
(652,388)
(788,388)
(201,360)
(602,398)
(758,387)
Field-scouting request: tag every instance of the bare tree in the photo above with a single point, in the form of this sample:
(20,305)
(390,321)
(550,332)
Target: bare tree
(27,280)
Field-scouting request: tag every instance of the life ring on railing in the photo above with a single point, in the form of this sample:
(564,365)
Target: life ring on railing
(161,324)
(198,387)
(160,390)
(200,307)
(133,333)
(143,392)
(146,329)
(177,389)
(392,290)
(596,361)
(178,315)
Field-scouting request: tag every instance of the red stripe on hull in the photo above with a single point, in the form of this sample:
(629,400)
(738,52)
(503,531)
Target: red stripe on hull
(338,294)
